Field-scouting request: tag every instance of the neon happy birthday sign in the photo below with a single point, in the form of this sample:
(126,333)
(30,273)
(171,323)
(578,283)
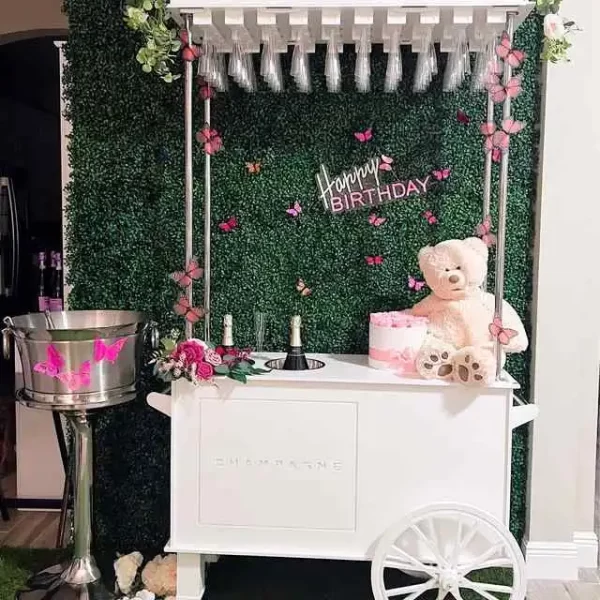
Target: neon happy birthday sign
(360,187)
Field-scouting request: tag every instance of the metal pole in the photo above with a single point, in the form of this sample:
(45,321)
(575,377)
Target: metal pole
(487,181)
(207,217)
(189,172)
(502,202)
(83,567)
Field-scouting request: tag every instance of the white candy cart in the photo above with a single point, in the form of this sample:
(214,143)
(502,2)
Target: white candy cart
(347,462)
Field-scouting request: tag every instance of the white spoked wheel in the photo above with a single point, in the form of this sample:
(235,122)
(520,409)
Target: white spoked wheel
(449,552)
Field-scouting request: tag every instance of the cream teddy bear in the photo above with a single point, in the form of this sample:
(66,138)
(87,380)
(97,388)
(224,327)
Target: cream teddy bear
(459,345)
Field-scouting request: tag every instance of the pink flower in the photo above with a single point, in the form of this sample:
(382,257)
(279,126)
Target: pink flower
(190,352)
(204,370)
(212,357)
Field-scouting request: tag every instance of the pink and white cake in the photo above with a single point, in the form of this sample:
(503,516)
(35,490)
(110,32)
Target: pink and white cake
(395,338)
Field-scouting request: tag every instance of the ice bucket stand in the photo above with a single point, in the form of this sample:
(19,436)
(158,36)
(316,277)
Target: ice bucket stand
(78,579)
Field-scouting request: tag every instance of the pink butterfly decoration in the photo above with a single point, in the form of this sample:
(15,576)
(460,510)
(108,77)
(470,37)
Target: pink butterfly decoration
(190,313)
(462,117)
(484,231)
(498,141)
(75,380)
(500,333)
(210,139)
(430,217)
(294,211)
(415,284)
(206,91)
(441,174)
(374,260)
(376,221)
(53,363)
(507,53)
(192,273)
(364,136)
(229,225)
(110,353)
(302,288)
(385,163)
(501,92)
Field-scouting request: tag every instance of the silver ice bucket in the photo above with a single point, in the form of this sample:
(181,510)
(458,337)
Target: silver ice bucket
(78,359)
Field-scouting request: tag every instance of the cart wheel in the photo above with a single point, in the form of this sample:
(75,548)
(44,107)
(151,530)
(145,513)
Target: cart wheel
(456,552)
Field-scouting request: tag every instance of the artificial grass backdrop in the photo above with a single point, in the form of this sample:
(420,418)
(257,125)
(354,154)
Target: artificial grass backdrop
(127,222)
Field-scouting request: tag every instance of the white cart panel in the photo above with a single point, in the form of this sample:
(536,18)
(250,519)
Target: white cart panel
(258,469)
(322,469)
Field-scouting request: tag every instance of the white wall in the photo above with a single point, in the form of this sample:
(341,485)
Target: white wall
(566,318)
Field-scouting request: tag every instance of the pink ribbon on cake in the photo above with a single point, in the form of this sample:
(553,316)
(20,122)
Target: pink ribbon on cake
(403,362)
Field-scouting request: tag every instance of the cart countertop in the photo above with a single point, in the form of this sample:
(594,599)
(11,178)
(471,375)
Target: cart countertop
(354,369)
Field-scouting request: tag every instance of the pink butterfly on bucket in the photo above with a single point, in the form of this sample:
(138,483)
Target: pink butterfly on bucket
(211,140)
(386,163)
(53,363)
(441,174)
(75,380)
(190,313)
(376,221)
(110,353)
(374,260)
(430,217)
(498,90)
(500,333)
(192,273)
(229,225)
(484,231)
(506,52)
(415,284)
(294,211)
(364,136)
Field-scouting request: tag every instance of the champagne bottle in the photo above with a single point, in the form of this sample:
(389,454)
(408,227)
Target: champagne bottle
(227,341)
(56,299)
(42,298)
(295,359)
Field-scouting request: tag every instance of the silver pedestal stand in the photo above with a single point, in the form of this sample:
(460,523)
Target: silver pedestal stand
(78,579)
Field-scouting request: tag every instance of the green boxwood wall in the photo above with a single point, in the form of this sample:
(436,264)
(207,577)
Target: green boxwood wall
(127,232)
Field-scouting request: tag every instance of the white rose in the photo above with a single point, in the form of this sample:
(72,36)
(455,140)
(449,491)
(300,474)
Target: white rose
(126,568)
(145,595)
(554,27)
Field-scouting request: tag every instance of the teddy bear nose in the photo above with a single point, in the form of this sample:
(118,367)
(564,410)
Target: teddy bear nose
(453,279)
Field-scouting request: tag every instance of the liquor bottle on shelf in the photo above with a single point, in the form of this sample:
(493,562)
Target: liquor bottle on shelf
(295,359)
(227,341)
(42,298)
(56,298)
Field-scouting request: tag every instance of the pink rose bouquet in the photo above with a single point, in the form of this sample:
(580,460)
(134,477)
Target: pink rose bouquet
(198,361)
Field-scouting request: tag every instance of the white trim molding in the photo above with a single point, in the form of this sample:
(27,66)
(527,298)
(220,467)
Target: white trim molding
(552,560)
(587,549)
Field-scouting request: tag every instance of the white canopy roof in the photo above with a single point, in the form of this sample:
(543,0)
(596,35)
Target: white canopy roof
(253,20)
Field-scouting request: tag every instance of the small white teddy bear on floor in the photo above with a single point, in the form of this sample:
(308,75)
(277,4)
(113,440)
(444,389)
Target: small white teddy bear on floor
(460,345)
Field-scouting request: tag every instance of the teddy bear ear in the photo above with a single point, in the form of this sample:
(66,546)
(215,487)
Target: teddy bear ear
(424,255)
(478,245)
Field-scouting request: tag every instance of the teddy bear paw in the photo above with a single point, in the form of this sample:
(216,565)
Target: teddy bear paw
(474,367)
(435,362)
